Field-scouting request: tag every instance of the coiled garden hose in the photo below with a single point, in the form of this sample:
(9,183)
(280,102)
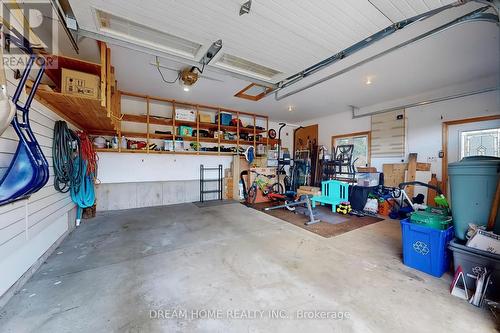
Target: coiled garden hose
(66,146)
(75,166)
(84,195)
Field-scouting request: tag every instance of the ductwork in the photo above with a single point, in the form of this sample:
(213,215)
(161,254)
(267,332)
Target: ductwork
(421,103)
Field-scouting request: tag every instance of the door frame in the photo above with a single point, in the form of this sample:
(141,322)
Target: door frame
(444,146)
(295,131)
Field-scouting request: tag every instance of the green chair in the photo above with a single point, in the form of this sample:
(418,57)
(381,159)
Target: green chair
(333,192)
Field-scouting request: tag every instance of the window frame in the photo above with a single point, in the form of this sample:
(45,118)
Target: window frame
(461,139)
(368,134)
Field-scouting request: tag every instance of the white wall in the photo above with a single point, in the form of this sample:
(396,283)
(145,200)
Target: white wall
(139,167)
(28,228)
(423,125)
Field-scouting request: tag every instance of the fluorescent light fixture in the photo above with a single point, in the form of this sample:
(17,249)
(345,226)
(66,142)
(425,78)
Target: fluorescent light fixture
(245,67)
(134,32)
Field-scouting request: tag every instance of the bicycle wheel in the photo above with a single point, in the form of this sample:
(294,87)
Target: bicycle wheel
(276,188)
(252,194)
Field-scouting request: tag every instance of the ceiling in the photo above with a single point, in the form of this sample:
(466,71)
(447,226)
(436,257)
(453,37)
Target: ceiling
(285,35)
(289,36)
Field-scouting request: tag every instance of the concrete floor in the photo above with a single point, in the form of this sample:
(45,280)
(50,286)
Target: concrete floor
(117,270)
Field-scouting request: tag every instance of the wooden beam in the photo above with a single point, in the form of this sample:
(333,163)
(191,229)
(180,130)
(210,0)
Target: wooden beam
(102,49)
(412,173)
(494,208)
(108,81)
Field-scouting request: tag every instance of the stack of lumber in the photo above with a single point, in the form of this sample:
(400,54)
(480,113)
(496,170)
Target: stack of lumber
(396,173)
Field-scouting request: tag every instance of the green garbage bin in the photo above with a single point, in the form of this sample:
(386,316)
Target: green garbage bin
(473,182)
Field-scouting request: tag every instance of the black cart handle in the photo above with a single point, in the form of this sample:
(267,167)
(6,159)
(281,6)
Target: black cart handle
(435,188)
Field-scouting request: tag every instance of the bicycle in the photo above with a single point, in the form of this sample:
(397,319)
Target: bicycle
(273,191)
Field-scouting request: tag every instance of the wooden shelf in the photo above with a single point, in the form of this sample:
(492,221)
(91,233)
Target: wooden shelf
(54,72)
(106,150)
(144,119)
(185,123)
(232,129)
(95,115)
(144,151)
(86,113)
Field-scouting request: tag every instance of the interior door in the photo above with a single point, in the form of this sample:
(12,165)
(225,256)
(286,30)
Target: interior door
(471,139)
(305,137)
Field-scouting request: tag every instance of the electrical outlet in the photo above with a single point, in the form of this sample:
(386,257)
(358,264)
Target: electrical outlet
(431,159)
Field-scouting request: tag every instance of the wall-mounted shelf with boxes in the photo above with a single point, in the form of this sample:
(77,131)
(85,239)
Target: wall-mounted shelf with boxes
(170,126)
(84,93)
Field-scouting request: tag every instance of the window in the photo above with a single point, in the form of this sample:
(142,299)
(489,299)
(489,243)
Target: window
(482,142)
(361,142)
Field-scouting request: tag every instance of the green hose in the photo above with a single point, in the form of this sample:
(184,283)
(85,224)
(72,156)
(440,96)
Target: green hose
(84,195)
(66,157)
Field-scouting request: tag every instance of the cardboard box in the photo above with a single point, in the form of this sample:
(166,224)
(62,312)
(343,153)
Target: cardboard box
(185,114)
(205,118)
(308,190)
(80,83)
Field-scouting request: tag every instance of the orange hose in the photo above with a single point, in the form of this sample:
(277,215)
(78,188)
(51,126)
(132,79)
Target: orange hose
(88,153)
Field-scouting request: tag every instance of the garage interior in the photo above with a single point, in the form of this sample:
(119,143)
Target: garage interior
(250,166)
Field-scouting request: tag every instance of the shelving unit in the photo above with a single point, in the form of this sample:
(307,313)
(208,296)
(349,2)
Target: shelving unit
(103,115)
(99,116)
(164,117)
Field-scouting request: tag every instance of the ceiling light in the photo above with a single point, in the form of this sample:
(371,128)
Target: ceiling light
(368,80)
(185,88)
(290,108)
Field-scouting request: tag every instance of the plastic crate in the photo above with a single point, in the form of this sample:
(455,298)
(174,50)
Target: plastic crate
(185,131)
(225,118)
(438,210)
(473,261)
(425,248)
(431,220)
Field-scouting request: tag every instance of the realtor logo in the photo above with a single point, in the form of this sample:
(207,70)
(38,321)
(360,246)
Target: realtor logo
(33,23)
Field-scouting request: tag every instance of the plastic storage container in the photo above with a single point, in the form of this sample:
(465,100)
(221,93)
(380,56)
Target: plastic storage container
(473,182)
(473,261)
(425,248)
(368,179)
(185,131)
(432,220)
(225,118)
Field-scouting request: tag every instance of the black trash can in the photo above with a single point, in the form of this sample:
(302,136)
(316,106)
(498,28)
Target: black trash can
(473,261)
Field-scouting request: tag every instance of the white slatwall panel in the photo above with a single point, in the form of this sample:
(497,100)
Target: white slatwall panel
(398,10)
(388,134)
(29,227)
(285,35)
